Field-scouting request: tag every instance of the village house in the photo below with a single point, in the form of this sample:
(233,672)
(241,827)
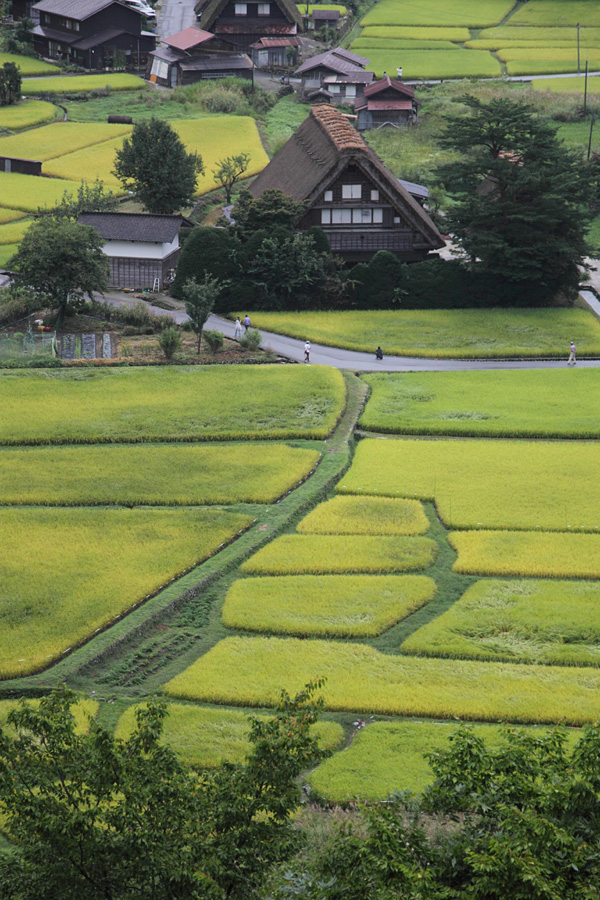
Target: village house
(245,23)
(324,18)
(94,34)
(386,102)
(350,194)
(142,249)
(276,52)
(193,55)
(336,76)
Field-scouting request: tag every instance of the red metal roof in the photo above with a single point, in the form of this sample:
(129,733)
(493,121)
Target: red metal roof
(389,104)
(188,38)
(277,42)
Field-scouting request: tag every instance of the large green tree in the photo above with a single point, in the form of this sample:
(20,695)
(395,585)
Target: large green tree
(10,84)
(154,163)
(95,817)
(521,198)
(60,260)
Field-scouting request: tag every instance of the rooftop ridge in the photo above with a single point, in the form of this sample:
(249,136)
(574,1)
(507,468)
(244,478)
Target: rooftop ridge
(338,129)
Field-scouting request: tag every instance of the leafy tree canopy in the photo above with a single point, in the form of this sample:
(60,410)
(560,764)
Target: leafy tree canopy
(200,298)
(521,197)
(90,197)
(272,209)
(229,171)
(154,163)
(10,84)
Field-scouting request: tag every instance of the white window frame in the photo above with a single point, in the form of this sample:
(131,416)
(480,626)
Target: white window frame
(374,196)
(241,9)
(341,217)
(325,217)
(352,192)
(328,197)
(396,220)
(378,216)
(351,91)
(334,88)
(264,9)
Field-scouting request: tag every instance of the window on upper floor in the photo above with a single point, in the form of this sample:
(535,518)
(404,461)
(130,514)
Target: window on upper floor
(377,217)
(328,196)
(375,195)
(351,191)
(350,90)
(264,9)
(241,9)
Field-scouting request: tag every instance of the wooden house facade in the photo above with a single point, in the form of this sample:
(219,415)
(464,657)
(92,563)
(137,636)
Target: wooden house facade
(387,102)
(336,76)
(349,193)
(94,34)
(245,22)
(194,55)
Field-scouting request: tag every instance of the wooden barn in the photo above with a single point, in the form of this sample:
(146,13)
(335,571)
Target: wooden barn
(349,193)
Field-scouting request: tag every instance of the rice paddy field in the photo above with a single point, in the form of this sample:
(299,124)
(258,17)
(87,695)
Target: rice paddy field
(30,192)
(29,65)
(529,553)
(27,114)
(534,403)
(446,334)
(67,572)
(326,605)
(142,474)
(59,139)
(550,486)
(365,515)
(196,403)
(76,84)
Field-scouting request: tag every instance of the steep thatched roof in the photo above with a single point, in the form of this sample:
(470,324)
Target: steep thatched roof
(211,9)
(319,151)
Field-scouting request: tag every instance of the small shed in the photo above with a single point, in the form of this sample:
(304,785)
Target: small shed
(142,249)
(324,18)
(275,52)
(387,102)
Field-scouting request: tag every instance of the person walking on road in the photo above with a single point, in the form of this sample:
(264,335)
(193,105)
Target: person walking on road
(238,329)
(247,322)
(379,353)
(572,355)
(307,351)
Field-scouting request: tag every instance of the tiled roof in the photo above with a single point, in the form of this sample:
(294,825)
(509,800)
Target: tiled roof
(74,9)
(224,62)
(210,11)
(386,82)
(188,38)
(142,227)
(336,62)
(327,14)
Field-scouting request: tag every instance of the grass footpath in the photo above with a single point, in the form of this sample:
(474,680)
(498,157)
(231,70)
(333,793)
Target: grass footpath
(535,403)
(445,334)
(190,403)
(157,474)
(249,671)
(325,605)
(553,486)
(67,572)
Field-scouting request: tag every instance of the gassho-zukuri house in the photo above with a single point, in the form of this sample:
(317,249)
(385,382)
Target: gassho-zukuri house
(350,194)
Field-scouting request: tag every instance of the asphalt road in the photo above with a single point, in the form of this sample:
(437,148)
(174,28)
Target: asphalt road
(175,15)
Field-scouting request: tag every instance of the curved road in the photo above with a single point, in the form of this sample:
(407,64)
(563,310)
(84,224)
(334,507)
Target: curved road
(366,362)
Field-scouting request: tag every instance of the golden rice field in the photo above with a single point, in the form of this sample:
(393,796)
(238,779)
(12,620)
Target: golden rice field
(386,757)
(66,573)
(92,163)
(553,486)
(465,13)
(250,671)
(365,515)
(491,404)
(30,192)
(10,215)
(456,63)
(82,711)
(414,33)
(527,553)
(75,84)
(29,65)
(156,474)
(540,34)
(26,114)
(59,139)
(7,251)
(13,232)
(325,605)
(206,737)
(557,12)
(555,622)
(299,554)
(180,403)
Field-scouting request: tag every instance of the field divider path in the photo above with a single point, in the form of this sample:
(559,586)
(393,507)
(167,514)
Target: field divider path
(336,457)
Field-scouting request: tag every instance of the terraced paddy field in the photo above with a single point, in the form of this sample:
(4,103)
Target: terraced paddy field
(172,403)
(27,114)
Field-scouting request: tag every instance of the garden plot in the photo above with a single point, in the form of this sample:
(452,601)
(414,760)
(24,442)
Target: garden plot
(298,554)
(386,757)
(26,114)
(325,605)
(157,475)
(533,621)
(198,403)
(59,139)
(465,13)
(534,403)
(76,84)
(551,486)
(442,333)
(527,553)
(30,192)
(66,573)
(365,515)
(206,737)
(250,671)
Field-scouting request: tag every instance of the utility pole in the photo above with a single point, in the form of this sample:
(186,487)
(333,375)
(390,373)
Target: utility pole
(578,64)
(585,90)
(590,140)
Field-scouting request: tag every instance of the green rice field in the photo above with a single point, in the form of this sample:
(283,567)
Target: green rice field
(206,737)
(59,139)
(449,334)
(29,65)
(432,64)
(365,515)
(299,554)
(325,605)
(26,114)
(30,192)
(250,671)
(75,84)
(533,403)
(556,622)
(551,486)
(465,13)
(144,474)
(184,403)
(527,553)
(66,573)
